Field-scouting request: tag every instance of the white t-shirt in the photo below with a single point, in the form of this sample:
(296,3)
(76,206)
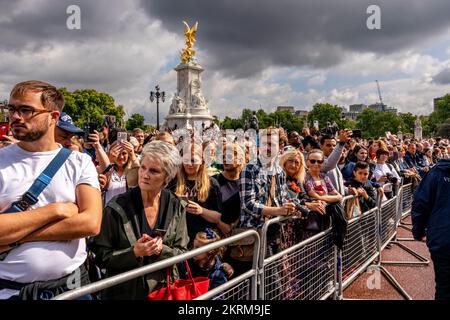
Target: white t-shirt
(42,260)
(381,170)
(117,185)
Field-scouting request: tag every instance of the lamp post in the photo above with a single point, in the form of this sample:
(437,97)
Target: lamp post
(158,95)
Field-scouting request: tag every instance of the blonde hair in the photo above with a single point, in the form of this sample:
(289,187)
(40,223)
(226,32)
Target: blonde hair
(202,181)
(318,151)
(290,155)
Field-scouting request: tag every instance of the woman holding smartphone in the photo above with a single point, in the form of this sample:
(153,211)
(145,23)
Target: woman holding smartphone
(123,173)
(200,191)
(144,225)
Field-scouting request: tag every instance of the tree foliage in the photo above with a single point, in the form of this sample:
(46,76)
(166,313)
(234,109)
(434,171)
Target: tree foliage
(89,105)
(136,121)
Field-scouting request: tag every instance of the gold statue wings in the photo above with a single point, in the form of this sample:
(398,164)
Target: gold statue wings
(189,33)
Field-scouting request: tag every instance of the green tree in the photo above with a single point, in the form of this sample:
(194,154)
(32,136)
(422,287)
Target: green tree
(441,114)
(408,120)
(374,124)
(325,112)
(89,105)
(136,121)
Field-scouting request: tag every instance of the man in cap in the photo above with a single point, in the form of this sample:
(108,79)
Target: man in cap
(66,130)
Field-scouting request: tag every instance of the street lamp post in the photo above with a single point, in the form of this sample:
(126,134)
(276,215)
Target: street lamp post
(158,95)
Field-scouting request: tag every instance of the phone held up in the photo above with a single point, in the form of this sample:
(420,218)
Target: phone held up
(88,129)
(122,136)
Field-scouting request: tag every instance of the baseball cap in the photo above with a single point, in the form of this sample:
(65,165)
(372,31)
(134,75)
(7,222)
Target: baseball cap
(66,123)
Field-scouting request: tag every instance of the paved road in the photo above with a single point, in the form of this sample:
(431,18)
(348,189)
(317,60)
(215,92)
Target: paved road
(418,281)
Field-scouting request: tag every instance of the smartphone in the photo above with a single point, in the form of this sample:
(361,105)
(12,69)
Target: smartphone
(108,168)
(122,136)
(4,129)
(88,129)
(356,133)
(158,233)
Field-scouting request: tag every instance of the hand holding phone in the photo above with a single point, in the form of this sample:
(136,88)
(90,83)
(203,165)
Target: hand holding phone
(158,233)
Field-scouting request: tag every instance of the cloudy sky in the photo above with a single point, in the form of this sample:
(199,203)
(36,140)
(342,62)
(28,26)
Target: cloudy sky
(256,53)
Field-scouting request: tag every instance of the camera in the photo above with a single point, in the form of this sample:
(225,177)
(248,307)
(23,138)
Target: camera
(301,208)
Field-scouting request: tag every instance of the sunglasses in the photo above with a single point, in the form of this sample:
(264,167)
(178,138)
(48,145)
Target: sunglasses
(314,161)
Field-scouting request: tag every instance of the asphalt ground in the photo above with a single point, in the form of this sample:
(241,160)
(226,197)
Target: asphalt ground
(417,281)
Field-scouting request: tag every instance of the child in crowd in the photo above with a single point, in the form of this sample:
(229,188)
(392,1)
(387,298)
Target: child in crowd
(210,263)
(367,195)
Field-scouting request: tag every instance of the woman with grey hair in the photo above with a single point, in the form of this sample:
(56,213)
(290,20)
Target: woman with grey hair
(144,225)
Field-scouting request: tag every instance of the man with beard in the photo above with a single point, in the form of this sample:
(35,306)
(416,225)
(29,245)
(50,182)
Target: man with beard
(43,248)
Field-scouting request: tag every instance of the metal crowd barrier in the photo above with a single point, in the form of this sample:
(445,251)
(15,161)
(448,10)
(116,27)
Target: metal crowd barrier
(305,271)
(243,287)
(403,210)
(360,247)
(313,269)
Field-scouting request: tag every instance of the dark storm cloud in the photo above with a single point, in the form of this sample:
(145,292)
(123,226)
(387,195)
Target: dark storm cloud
(443,77)
(243,37)
(33,24)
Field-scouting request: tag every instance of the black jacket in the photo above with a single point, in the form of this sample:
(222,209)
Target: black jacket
(370,203)
(431,209)
(121,228)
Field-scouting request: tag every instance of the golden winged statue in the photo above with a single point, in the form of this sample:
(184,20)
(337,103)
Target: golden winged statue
(189,33)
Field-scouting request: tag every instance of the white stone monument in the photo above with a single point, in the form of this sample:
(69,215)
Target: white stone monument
(189,106)
(418,130)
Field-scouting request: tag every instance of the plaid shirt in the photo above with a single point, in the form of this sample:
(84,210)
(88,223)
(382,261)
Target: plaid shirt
(255,190)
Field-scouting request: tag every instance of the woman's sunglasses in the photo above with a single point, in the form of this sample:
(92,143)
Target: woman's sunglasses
(314,161)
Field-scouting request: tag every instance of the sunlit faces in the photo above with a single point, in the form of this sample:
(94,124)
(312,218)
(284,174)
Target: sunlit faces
(31,127)
(314,162)
(412,148)
(122,158)
(361,175)
(361,155)
(192,163)
(151,174)
(64,138)
(269,146)
(328,146)
(140,138)
(292,166)
(383,157)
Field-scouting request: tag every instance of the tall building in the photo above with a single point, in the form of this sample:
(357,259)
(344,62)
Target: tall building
(357,108)
(301,113)
(380,107)
(286,108)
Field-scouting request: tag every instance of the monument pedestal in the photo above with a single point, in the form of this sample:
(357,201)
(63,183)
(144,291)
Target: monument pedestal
(188,108)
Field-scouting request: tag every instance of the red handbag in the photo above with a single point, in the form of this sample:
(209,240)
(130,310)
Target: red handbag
(181,289)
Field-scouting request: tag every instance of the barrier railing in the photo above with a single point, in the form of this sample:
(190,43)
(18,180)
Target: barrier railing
(360,247)
(242,287)
(311,269)
(304,271)
(403,210)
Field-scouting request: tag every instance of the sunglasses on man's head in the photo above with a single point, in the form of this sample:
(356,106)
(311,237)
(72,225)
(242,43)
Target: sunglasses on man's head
(314,161)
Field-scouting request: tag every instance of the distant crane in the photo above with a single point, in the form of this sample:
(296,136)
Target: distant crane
(379,93)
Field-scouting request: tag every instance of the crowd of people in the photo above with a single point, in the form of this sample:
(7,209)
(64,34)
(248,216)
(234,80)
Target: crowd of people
(123,200)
